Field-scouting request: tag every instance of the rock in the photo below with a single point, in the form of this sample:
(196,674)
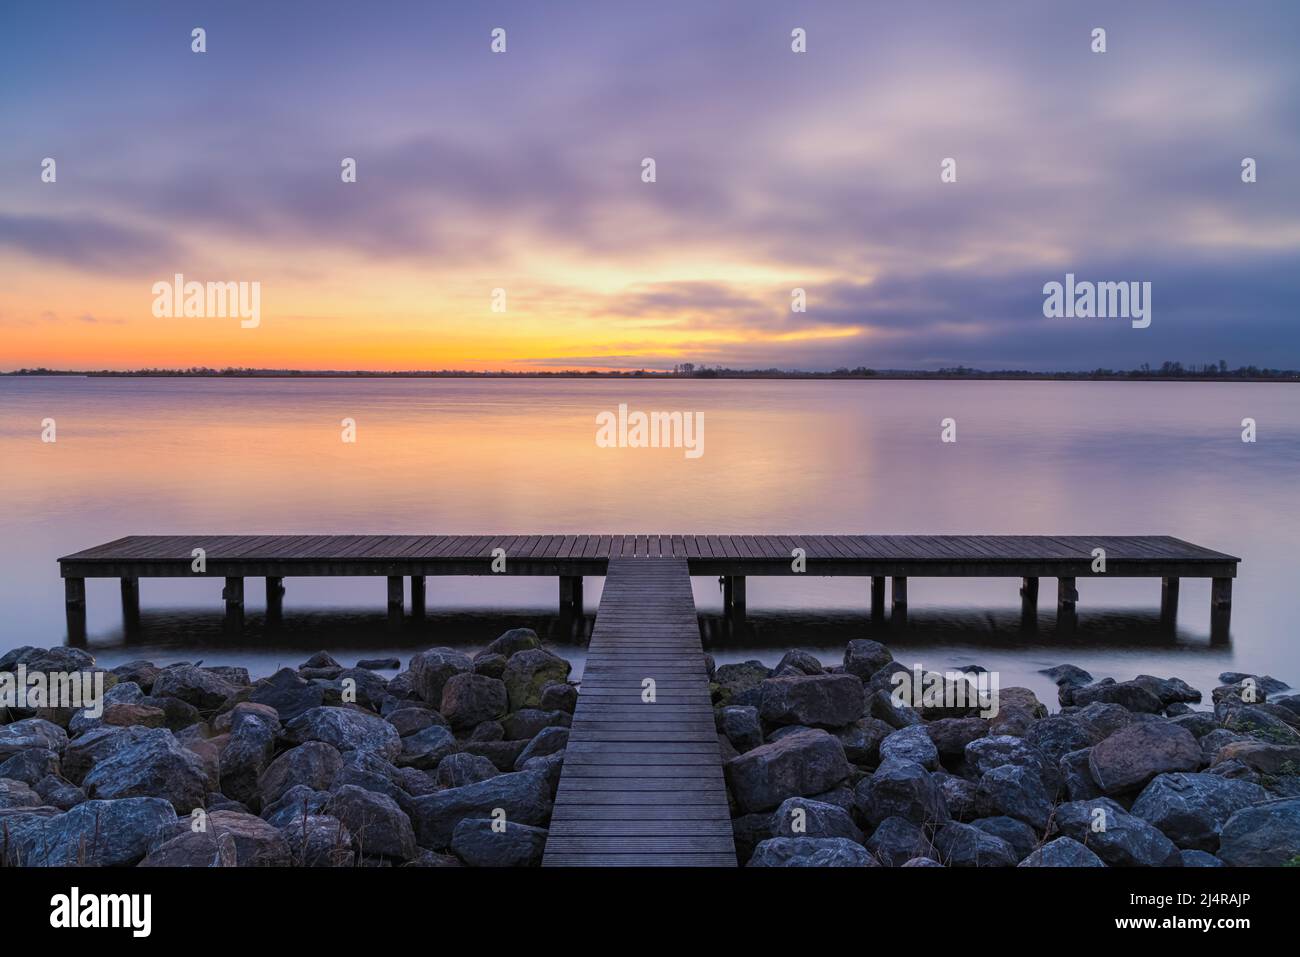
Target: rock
(1076,776)
(1101,719)
(1267,835)
(1258,722)
(488,731)
(880,705)
(468,699)
(827,701)
(984,754)
(194,849)
(154,765)
(527,723)
(528,672)
(431,669)
(861,740)
(741,726)
(1068,675)
(490,666)
(1259,756)
(31,733)
(102,833)
(1058,735)
(811,852)
(523,795)
(1169,690)
(548,741)
(1265,684)
(17,794)
(410,720)
(93,746)
(1016,792)
(1191,809)
(1022,838)
(355,686)
(513,641)
(951,735)
(426,749)
(318,840)
(56,792)
(799,765)
(378,826)
(804,817)
(502,754)
(416,782)
(1016,722)
(476,842)
(964,845)
(322,659)
(345,729)
(1200,859)
(864,658)
(802,662)
(897,841)
(205,689)
(550,764)
(254,728)
(379,664)
(1023,699)
(1132,756)
(457,770)
(923,862)
(123,715)
(559,696)
(735,679)
(370,772)
(903,789)
(313,764)
(960,796)
(911,744)
(1117,837)
(748,831)
(58,658)
(141,673)
(288,693)
(177,714)
(1199,723)
(30,766)
(298,801)
(1062,852)
(256,843)
(1129,695)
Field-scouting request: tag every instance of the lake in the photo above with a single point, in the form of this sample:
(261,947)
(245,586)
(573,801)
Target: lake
(488,456)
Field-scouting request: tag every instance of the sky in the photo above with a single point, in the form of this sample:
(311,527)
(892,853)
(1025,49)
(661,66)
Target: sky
(774,170)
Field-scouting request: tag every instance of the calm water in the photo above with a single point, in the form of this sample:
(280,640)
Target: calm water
(432,456)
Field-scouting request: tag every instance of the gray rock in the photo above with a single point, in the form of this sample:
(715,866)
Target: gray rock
(802,662)
(457,770)
(346,729)
(550,764)
(88,749)
(377,825)
(503,754)
(923,862)
(903,789)
(468,699)
(1062,852)
(984,754)
(1076,776)
(799,765)
(1169,690)
(1266,684)
(1022,838)
(139,672)
(897,841)
(154,765)
(1067,675)
(527,723)
(559,696)
(31,733)
(380,664)
(1058,735)
(1267,835)
(1101,719)
(804,817)
(256,843)
(194,849)
(1200,859)
(318,840)
(1191,809)
(101,833)
(864,658)
(410,720)
(299,801)
(735,679)
(528,672)
(1199,723)
(811,852)
(1259,756)
(1129,695)
(322,659)
(1016,792)
(490,666)
(548,741)
(1132,756)
(911,744)
(426,749)
(253,732)
(431,669)
(17,794)
(31,765)
(741,726)
(825,701)
(313,764)
(862,738)
(202,688)
(523,795)
(479,844)
(960,797)
(288,693)
(56,792)
(951,735)
(1117,837)
(964,845)
(512,642)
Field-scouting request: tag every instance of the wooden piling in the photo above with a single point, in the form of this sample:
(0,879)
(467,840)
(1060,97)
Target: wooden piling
(878,598)
(1168,601)
(417,596)
(131,603)
(396,594)
(1067,595)
(233,594)
(74,602)
(274,599)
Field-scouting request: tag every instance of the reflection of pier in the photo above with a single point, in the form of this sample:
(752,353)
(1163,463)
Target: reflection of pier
(569,558)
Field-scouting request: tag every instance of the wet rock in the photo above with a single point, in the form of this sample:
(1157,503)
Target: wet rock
(864,658)
(1191,809)
(153,765)
(313,764)
(1117,837)
(378,826)
(897,841)
(1062,852)
(345,729)
(801,764)
(1067,675)
(911,744)
(964,845)
(811,852)
(528,672)
(827,701)
(1132,756)
(903,789)
(804,817)
(479,843)
(1267,835)
(431,669)
(523,795)
(1265,684)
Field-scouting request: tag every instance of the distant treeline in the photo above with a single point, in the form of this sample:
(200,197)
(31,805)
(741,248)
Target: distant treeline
(1168,370)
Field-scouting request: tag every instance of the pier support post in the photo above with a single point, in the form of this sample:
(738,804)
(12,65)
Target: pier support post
(733,597)
(1067,595)
(74,601)
(417,597)
(898,588)
(571,595)
(1029,603)
(1168,602)
(878,598)
(274,599)
(131,603)
(396,593)
(1220,609)
(233,594)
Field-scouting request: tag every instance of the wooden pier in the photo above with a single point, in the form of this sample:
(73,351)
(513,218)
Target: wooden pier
(642,778)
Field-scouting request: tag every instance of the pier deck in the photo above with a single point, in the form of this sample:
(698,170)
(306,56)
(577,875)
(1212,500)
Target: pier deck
(642,778)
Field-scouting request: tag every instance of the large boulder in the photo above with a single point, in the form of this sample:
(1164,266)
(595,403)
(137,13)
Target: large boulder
(31,765)
(17,794)
(1267,835)
(288,693)
(93,746)
(862,740)
(1117,837)
(821,701)
(1062,852)
(1058,735)
(804,817)
(256,843)
(1132,756)
(1016,792)
(457,770)
(984,754)
(965,845)
(248,751)
(205,689)
(31,733)
(739,678)
(741,726)
(154,765)
(1018,834)
(811,852)
(525,796)
(468,699)
(313,765)
(480,842)
(798,765)
(346,729)
(101,833)
(1191,809)
(900,789)
(426,749)
(379,828)
(528,672)
(318,840)
(911,744)
(1130,695)
(1259,756)
(864,657)
(548,741)
(951,735)
(897,841)
(431,669)
(512,642)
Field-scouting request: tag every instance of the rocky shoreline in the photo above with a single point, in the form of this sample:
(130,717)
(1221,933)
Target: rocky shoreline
(456,759)
(834,766)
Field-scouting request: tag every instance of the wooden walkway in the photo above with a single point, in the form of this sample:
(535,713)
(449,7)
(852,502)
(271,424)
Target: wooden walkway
(642,780)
